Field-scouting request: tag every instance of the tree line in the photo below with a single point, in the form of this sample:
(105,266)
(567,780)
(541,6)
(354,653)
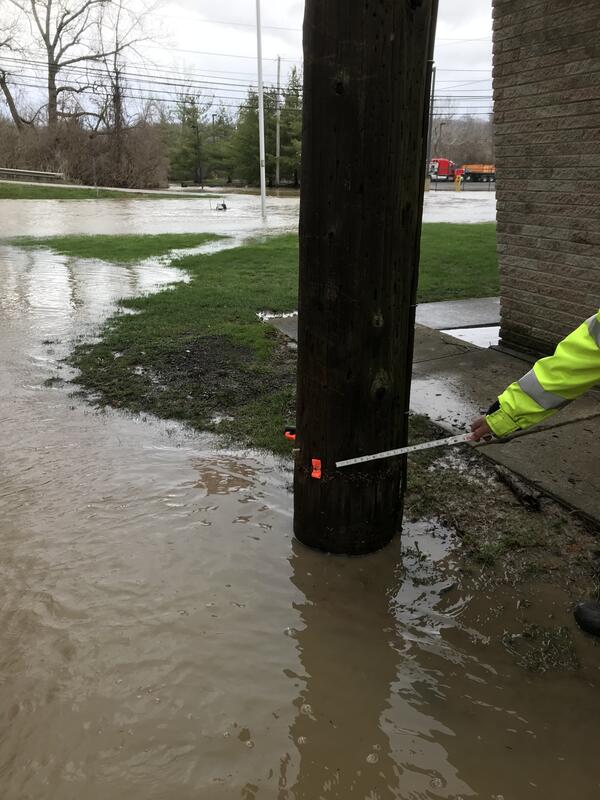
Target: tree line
(212,145)
(71,104)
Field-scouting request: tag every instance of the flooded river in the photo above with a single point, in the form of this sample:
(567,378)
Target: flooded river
(64,217)
(163,637)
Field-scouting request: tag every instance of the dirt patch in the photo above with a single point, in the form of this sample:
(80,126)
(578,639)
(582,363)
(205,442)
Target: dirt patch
(218,373)
(210,382)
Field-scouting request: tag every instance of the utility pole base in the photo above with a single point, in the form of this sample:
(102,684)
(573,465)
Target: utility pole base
(353,513)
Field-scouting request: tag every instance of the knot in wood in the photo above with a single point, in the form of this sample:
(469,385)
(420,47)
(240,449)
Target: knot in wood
(380,385)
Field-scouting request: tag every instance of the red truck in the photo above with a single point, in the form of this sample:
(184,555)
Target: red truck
(442,169)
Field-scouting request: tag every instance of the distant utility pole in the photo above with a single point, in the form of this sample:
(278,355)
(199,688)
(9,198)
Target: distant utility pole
(367,78)
(278,133)
(261,117)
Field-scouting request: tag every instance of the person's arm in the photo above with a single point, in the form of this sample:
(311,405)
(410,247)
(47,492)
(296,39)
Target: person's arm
(552,384)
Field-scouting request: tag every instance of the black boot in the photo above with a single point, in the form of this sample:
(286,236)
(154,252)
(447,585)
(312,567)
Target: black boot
(587,616)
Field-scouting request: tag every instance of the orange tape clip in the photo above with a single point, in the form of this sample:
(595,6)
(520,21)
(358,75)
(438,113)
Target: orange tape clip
(290,433)
(316,469)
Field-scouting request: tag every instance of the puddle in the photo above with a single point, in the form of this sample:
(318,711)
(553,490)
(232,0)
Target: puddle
(487,336)
(163,636)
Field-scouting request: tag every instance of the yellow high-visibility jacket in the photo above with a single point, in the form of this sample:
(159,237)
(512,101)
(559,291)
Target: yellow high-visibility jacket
(552,383)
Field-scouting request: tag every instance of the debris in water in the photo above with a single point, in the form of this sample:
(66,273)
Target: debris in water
(540,649)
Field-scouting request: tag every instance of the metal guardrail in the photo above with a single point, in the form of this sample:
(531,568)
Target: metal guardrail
(8,173)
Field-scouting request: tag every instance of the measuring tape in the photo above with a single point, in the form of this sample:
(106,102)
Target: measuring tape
(402,451)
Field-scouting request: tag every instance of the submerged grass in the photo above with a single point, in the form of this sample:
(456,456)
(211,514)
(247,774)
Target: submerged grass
(118,249)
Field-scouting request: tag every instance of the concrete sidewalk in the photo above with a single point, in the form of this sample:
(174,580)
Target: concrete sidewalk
(453,381)
(459,313)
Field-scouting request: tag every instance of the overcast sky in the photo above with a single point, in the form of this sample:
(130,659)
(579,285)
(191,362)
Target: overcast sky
(209,47)
(193,30)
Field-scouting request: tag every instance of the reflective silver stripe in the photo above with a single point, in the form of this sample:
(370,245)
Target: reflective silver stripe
(594,328)
(531,386)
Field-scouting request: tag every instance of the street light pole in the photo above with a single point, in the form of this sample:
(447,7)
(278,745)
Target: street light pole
(261,117)
(431,107)
(278,132)
(440,134)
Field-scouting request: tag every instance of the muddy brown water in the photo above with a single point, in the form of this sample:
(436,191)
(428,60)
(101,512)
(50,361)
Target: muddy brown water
(163,637)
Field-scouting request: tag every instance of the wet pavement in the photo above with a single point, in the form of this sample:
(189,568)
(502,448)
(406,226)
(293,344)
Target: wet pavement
(485,336)
(456,376)
(447,314)
(163,636)
(459,378)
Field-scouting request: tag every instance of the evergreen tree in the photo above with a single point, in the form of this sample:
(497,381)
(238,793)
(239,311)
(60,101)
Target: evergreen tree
(244,147)
(219,163)
(188,142)
(291,130)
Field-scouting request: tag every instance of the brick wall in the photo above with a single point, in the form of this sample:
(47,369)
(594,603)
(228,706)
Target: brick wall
(547,133)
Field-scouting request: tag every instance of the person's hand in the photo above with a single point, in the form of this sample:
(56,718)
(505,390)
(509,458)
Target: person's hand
(480,430)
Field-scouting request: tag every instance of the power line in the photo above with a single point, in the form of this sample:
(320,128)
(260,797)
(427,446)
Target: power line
(181,75)
(448,69)
(185,85)
(235,90)
(220,55)
(443,102)
(172,98)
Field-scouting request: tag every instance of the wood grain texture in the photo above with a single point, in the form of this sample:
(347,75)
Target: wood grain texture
(366,96)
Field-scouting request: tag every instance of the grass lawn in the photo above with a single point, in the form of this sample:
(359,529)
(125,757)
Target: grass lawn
(458,261)
(118,249)
(197,352)
(22,191)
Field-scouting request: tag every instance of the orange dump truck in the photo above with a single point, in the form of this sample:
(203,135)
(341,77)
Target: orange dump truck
(480,172)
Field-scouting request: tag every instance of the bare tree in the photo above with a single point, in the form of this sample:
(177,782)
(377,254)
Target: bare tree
(69,34)
(464,139)
(8,42)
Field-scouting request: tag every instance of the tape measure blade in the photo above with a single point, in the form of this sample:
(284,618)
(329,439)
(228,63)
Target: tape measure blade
(463,437)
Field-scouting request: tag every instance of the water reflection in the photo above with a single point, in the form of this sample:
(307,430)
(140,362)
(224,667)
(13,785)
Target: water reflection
(363,727)
(161,638)
(346,644)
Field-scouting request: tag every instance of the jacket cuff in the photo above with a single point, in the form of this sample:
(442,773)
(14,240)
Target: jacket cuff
(501,424)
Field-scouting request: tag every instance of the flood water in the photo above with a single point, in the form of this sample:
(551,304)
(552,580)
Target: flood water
(64,217)
(163,637)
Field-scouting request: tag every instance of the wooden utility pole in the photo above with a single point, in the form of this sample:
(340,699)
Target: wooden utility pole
(367,75)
